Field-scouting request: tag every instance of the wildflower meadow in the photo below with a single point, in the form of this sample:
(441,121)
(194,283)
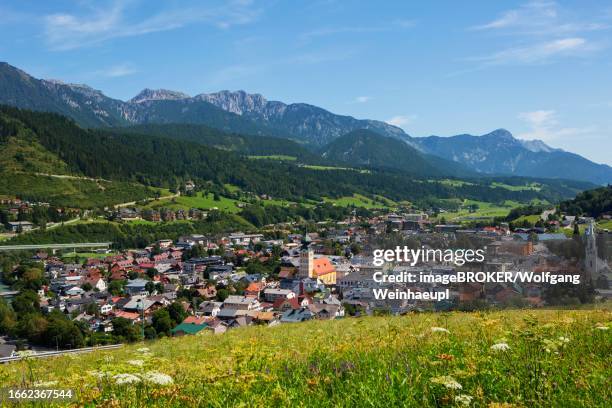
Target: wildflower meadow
(544,358)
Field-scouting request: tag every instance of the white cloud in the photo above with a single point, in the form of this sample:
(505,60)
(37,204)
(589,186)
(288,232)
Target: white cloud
(65,31)
(540,52)
(546,32)
(544,125)
(336,30)
(228,75)
(120,70)
(362,99)
(541,17)
(401,120)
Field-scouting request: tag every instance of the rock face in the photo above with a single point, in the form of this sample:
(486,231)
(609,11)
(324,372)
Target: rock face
(158,95)
(305,122)
(499,152)
(239,112)
(230,111)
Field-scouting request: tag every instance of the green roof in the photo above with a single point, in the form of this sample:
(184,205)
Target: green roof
(189,328)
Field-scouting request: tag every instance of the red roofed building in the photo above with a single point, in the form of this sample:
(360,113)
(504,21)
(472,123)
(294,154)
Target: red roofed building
(254,289)
(133,316)
(324,270)
(284,304)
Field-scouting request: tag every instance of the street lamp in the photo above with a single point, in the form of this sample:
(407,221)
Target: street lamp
(140,305)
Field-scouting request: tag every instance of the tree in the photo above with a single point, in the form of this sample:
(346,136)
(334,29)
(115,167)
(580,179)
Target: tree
(150,287)
(124,329)
(32,326)
(152,272)
(116,287)
(159,287)
(8,318)
(177,312)
(355,248)
(222,294)
(63,332)
(86,286)
(26,303)
(162,321)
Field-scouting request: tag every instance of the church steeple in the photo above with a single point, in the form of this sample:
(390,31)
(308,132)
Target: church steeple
(590,260)
(306,258)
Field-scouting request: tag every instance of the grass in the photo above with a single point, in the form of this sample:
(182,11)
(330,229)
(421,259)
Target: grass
(569,232)
(605,224)
(87,255)
(70,192)
(484,210)
(530,218)
(452,182)
(525,187)
(200,200)
(319,167)
(556,358)
(281,157)
(359,200)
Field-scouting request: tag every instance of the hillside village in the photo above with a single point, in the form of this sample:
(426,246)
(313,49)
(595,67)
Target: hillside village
(201,283)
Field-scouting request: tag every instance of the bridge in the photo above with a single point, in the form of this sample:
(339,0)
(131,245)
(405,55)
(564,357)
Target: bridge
(56,246)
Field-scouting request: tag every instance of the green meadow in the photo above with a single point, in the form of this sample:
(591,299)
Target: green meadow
(203,201)
(544,358)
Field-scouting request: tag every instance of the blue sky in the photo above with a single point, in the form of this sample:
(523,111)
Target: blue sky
(540,69)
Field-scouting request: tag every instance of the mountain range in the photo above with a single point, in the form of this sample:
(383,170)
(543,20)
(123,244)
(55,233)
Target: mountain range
(496,153)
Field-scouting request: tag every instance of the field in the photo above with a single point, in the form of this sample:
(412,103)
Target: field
(200,200)
(322,168)
(69,256)
(359,200)
(71,192)
(530,186)
(546,358)
(569,231)
(532,219)
(280,157)
(483,210)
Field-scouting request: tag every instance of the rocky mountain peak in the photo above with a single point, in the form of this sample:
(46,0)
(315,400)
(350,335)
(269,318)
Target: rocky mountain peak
(537,146)
(238,102)
(500,134)
(158,95)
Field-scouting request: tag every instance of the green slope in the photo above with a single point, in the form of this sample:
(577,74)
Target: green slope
(365,362)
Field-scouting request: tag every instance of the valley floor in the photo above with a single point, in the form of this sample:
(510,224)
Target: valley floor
(544,358)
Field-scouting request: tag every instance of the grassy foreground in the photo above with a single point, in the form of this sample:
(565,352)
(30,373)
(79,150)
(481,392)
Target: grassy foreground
(501,359)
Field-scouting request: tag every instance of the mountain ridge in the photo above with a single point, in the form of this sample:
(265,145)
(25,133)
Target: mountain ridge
(495,153)
(499,152)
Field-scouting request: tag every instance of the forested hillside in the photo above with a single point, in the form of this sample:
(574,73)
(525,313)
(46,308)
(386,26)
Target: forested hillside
(163,162)
(248,145)
(591,202)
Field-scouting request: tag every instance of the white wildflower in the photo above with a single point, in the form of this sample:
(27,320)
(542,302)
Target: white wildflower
(126,378)
(500,347)
(602,327)
(98,374)
(25,353)
(156,377)
(143,350)
(464,400)
(447,381)
(44,383)
(439,330)
(564,340)
(137,363)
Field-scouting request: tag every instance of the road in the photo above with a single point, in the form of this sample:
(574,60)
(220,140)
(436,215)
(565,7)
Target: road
(62,352)
(56,246)
(131,203)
